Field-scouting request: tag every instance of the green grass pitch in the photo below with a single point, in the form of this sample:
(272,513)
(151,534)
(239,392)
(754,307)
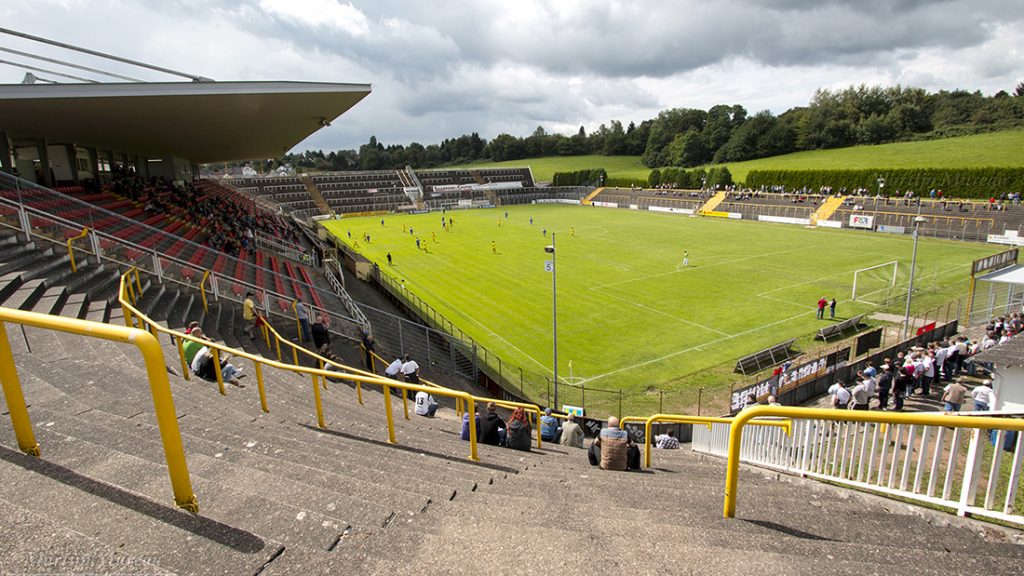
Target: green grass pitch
(629,315)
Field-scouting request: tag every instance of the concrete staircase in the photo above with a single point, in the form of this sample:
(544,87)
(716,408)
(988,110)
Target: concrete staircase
(317,197)
(713,202)
(279,496)
(827,209)
(590,197)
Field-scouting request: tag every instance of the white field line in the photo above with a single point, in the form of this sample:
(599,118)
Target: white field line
(694,267)
(691,349)
(655,311)
(485,327)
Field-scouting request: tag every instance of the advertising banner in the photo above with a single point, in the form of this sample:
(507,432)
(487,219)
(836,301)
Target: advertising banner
(861,221)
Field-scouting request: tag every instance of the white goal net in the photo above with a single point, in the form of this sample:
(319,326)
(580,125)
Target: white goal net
(875,283)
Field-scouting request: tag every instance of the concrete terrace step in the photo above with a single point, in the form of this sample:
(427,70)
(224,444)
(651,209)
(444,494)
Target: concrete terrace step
(174,540)
(32,544)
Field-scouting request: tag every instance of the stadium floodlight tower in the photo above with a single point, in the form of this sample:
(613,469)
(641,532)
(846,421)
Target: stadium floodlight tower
(554,312)
(913,265)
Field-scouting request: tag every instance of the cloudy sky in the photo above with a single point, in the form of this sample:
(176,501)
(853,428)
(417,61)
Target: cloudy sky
(440,69)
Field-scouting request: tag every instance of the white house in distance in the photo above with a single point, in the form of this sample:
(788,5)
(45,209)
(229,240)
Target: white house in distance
(1006,362)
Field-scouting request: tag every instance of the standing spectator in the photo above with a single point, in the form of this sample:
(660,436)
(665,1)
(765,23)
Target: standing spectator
(394,369)
(821,308)
(491,427)
(322,335)
(572,433)
(549,428)
(953,396)
(667,441)
(832,309)
(928,374)
(840,395)
(367,346)
(982,395)
(884,385)
(410,370)
(302,313)
(861,395)
(425,404)
(249,314)
(519,429)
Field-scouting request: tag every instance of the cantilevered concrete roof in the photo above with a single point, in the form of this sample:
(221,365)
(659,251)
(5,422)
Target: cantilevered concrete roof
(201,121)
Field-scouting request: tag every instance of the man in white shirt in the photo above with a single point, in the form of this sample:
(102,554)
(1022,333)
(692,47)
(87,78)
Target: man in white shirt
(425,405)
(840,395)
(410,369)
(983,396)
(394,369)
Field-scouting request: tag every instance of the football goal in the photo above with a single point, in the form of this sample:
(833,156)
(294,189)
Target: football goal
(874,282)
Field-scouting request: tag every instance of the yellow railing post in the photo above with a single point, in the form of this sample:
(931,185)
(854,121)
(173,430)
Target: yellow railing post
(217,371)
(472,431)
(387,412)
(202,289)
(277,342)
(295,355)
(20,420)
(405,402)
(319,406)
(259,384)
(359,392)
(71,249)
(167,419)
(298,326)
(266,336)
(185,368)
(138,283)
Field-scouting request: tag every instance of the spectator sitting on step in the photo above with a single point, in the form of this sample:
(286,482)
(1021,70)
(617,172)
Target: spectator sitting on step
(572,433)
(425,404)
(613,449)
(549,428)
(465,425)
(202,366)
(192,347)
(321,334)
(667,441)
(191,326)
(519,431)
(491,427)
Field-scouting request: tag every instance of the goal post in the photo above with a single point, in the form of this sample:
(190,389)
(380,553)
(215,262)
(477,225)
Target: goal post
(879,276)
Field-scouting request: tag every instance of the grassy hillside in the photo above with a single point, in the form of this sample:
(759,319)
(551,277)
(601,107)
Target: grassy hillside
(994,149)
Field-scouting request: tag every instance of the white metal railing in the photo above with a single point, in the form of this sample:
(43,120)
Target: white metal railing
(964,470)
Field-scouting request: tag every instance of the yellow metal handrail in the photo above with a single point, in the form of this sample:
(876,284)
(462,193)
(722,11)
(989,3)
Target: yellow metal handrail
(202,289)
(916,419)
(159,387)
(71,249)
(131,313)
(787,425)
(533,408)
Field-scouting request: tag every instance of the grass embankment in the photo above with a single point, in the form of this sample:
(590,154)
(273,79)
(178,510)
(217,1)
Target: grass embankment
(979,150)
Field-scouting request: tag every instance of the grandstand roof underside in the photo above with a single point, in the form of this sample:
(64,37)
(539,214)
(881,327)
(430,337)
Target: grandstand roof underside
(203,122)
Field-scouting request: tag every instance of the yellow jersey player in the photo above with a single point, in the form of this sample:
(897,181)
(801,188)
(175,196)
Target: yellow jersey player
(572,231)
(494,247)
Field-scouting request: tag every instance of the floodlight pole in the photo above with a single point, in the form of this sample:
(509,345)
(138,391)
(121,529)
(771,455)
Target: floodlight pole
(910,289)
(554,314)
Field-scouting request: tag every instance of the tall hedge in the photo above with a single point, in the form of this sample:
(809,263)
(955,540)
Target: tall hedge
(589,177)
(956,183)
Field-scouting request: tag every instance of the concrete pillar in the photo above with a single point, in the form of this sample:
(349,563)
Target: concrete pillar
(73,162)
(6,164)
(44,162)
(94,163)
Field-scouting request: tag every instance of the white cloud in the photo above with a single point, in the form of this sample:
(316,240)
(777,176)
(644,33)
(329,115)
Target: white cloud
(320,13)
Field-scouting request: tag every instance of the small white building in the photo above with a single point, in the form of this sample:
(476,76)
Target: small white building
(1006,362)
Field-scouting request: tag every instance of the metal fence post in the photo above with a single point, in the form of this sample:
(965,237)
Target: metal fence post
(620,403)
(401,342)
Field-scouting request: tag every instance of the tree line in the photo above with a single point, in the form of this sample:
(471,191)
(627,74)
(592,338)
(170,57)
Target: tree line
(686,137)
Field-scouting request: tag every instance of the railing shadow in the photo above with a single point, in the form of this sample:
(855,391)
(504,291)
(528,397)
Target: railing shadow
(212,530)
(411,449)
(788,530)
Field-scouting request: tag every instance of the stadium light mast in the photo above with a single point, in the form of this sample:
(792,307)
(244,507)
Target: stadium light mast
(554,311)
(913,265)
